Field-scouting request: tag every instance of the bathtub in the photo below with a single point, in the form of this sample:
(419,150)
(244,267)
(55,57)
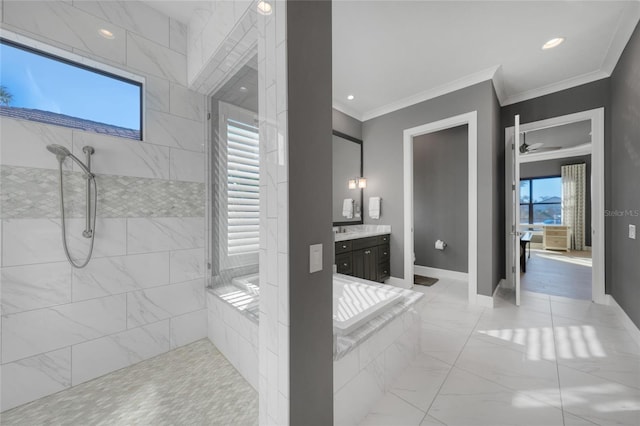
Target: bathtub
(355,303)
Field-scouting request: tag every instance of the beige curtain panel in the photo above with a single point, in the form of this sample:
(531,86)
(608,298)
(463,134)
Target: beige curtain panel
(573,202)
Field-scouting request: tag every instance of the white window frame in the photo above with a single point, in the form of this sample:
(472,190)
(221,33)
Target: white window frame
(227,111)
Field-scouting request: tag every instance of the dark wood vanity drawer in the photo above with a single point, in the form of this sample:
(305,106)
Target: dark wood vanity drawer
(344,263)
(383,271)
(343,246)
(362,243)
(383,253)
(384,239)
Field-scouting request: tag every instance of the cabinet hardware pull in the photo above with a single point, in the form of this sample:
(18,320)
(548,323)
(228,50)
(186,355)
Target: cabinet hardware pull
(367,252)
(344,246)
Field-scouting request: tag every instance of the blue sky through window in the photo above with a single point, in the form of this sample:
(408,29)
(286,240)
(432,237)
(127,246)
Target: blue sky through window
(39,82)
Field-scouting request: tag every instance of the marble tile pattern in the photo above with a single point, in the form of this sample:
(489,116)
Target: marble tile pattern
(352,232)
(191,385)
(143,293)
(345,344)
(234,331)
(374,354)
(274,211)
(33,193)
(551,361)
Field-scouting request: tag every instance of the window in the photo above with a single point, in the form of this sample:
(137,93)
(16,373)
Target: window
(41,87)
(541,201)
(241,201)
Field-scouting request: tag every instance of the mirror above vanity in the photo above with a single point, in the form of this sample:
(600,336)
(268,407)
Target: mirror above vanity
(347,180)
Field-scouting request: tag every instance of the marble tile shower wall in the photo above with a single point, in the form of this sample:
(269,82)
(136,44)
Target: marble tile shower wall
(274,212)
(143,293)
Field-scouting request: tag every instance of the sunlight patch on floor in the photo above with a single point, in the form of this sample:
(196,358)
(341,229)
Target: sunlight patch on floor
(571,342)
(580,261)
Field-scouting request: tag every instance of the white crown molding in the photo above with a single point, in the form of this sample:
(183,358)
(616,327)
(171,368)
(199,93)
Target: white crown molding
(498,85)
(621,38)
(346,110)
(461,83)
(556,87)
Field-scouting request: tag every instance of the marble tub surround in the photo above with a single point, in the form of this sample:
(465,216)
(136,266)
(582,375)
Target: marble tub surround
(352,232)
(409,304)
(143,293)
(368,361)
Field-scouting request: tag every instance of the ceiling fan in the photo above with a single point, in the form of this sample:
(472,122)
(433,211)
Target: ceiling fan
(534,147)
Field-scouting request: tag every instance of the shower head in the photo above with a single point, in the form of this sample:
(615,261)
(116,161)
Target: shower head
(60,151)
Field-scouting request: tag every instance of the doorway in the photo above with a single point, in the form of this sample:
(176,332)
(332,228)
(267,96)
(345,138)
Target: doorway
(470,120)
(565,263)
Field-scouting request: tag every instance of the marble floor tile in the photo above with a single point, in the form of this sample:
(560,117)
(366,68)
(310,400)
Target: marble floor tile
(191,385)
(391,410)
(420,383)
(509,368)
(430,421)
(442,343)
(599,400)
(466,399)
(550,361)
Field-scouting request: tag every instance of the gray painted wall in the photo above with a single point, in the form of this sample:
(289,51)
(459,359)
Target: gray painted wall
(623,268)
(553,168)
(346,124)
(440,198)
(383,167)
(310,198)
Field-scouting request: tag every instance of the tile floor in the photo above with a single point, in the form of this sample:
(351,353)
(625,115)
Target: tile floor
(191,385)
(553,361)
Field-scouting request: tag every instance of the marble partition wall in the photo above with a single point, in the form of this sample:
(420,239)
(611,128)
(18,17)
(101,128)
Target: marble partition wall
(143,293)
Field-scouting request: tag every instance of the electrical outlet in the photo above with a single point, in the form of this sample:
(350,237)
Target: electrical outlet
(632,232)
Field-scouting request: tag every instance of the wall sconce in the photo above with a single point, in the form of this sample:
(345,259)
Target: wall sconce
(357,183)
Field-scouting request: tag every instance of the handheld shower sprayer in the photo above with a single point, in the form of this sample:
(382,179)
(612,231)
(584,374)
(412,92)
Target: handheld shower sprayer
(61,154)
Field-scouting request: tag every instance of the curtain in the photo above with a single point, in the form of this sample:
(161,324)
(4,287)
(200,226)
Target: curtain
(573,202)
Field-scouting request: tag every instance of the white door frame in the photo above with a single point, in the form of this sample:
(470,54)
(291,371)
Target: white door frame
(471,120)
(596,149)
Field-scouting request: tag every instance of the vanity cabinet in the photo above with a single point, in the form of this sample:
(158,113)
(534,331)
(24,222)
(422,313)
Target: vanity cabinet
(366,258)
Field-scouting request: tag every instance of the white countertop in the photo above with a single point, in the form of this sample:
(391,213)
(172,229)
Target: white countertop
(361,231)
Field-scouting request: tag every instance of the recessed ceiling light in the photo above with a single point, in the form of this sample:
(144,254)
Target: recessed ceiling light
(264,8)
(243,89)
(351,97)
(106,34)
(554,42)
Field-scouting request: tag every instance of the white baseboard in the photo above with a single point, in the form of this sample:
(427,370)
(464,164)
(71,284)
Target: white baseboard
(398,282)
(628,324)
(440,273)
(488,301)
(484,301)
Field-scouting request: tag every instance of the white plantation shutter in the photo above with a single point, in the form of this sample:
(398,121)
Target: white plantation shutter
(243,188)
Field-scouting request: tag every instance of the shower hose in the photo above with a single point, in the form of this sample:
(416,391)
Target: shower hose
(91,177)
